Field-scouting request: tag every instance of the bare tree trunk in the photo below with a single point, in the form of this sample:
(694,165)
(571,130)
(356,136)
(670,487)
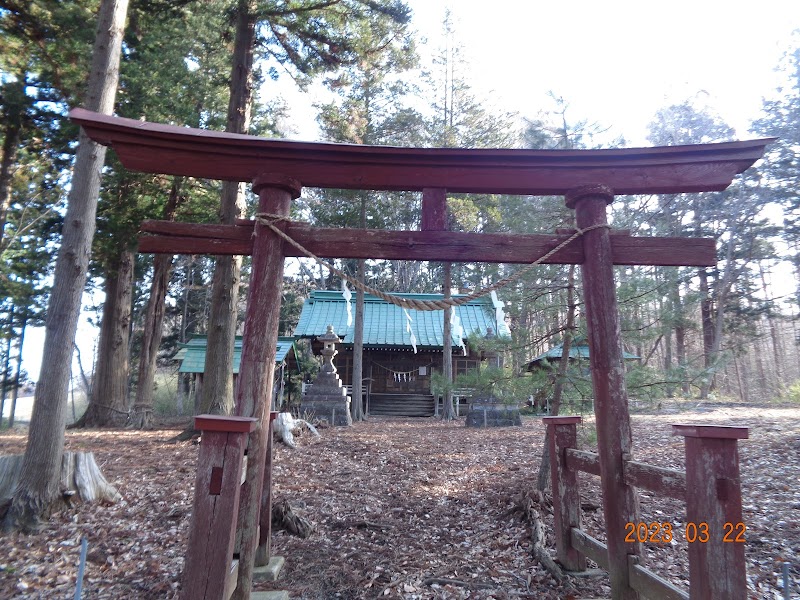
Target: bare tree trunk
(142,413)
(739,381)
(669,392)
(777,350)
(680,350)
(109,402)
(707,323)
(680,336)
(448,411)
(79,476)
(14,100)
(218,371)
(357,406)
(724,284)
(38,486)
(85,381)
(357,402)
(543,480)
(184,383)
(15,391)
(763,385)
(6,363)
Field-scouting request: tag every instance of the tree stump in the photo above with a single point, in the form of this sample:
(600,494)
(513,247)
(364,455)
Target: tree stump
(80,478)
(285,426)
(141,417)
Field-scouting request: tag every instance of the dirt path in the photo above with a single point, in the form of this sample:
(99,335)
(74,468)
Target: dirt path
(401,508)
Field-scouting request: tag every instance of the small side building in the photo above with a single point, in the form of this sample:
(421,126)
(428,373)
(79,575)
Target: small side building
(550,361)
(578,351)
(398,379)
(193,361)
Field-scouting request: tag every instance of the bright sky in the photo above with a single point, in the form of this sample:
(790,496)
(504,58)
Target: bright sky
(618,61)
(615,62)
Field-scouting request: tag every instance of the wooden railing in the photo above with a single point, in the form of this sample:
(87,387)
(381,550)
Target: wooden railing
(710,487)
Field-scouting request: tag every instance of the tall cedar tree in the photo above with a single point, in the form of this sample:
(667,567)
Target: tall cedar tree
(372,109)
(38,488)
(306,37)
(687,124)
(461,120)
(176,49)
(781,167)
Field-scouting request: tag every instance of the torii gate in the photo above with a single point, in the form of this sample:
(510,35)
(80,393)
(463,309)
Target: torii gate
(588,179)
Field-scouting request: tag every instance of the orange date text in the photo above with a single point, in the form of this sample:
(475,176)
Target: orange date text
(664,532)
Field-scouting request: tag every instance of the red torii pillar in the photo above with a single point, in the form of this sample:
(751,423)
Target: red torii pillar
(612,420)
(256,371)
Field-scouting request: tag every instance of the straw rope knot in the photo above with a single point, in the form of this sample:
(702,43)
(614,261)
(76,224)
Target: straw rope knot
(270,220)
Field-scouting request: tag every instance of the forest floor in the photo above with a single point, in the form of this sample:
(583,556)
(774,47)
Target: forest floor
(402,508)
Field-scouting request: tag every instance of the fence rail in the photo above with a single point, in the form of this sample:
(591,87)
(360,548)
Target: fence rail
(710,487)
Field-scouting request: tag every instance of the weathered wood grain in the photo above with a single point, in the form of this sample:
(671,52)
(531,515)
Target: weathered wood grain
(445,246)
(566,493)
(264,551)
(612,421)
(172,150)
(259,344)
(581,460)
(224,423)
(212,529)
(651,585)
(666,482)
(717,568)
(589,546)
(434,209)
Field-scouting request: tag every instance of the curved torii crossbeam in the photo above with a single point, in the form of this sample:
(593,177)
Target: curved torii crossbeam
(278,168)
(172,150)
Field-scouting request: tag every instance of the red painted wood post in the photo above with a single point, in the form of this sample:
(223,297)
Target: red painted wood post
(263,554)
(257,367)
(566,494)
(612,420)
(434,209)
(212,531)
(714,496)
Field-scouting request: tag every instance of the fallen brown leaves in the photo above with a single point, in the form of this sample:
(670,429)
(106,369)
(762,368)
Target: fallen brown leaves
(402,508)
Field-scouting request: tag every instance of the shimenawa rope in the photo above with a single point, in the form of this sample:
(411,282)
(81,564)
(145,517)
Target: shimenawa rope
(427,305)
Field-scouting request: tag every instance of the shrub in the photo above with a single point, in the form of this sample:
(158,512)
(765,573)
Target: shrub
(793,393)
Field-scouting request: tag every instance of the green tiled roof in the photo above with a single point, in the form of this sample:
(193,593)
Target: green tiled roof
(579,351)
(385,325)
(193,354)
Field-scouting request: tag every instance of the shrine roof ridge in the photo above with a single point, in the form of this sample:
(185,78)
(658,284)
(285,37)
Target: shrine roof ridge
(338,296)
(176,150)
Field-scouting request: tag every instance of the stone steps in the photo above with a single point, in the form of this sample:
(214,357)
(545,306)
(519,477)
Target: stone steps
(401,405)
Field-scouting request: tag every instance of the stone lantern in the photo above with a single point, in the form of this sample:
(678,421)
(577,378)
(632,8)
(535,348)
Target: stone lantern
(327,399)
(329,341)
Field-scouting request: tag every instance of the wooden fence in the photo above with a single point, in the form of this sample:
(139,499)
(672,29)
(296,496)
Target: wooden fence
(712,527)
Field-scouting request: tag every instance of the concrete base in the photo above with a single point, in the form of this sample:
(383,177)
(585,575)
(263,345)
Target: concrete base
(334,409)
(271,571)
(493,415)
(281,595)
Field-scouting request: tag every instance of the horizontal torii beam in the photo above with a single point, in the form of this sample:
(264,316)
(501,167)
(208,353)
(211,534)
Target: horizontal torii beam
(172,150)
(444,246)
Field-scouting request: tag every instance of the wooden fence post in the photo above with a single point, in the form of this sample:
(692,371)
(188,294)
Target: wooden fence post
(714,528)
(566,494)
(210,571)
(614,437)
